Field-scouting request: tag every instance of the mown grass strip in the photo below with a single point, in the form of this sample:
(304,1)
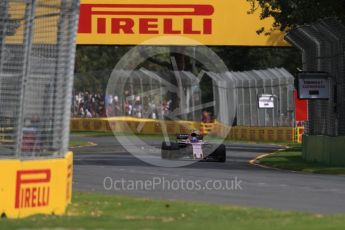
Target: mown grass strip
(291,159)
(97,211)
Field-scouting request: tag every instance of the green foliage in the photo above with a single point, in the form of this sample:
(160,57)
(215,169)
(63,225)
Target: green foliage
(290,13)
(94,64)
(249,58)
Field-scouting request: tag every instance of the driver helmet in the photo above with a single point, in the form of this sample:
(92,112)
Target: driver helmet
(194,137)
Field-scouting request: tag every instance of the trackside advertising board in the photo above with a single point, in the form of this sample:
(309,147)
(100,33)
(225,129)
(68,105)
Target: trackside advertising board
(266,101)
(314,86)
(202,22)
(35,187)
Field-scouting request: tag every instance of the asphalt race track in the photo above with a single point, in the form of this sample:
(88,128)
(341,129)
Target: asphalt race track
(98,168)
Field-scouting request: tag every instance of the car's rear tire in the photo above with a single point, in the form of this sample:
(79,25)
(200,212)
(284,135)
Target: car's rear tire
(170,150)
(170,146)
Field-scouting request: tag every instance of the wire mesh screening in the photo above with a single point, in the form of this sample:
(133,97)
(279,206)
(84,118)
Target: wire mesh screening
(336,36)
(37,51)
(165,95)
(322,44)
(248,86)
(225,101)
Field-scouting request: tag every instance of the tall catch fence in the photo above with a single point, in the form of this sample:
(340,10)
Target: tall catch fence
(248,86)
(177,95)
(37,50)
(323,48)
(323,45)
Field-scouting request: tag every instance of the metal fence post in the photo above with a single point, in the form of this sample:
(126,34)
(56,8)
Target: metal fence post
(3,24)
(73,18)
(36,81)
(28,33)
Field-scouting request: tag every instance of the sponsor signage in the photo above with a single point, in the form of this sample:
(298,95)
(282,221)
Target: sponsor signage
(35,187)
(314,85)
(174,22)
(213,22)
(266,101)
(32,188)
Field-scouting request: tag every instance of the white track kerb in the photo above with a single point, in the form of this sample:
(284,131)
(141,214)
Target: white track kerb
(132,61)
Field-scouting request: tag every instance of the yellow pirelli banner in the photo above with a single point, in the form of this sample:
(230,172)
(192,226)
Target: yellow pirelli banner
(149,126)
(165,22)
(35,186)
(132,125)
(267,134)
(45,16)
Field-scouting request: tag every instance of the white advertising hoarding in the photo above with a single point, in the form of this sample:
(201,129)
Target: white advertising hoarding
(266,101)
(314,85)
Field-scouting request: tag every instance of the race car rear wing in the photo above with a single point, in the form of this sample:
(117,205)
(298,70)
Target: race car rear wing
(185,137)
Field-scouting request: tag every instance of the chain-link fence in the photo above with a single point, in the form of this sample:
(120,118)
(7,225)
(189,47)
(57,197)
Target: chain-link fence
(177,95)
(248,86)
(323,47)
(37,50)
(225,100)
(167,95)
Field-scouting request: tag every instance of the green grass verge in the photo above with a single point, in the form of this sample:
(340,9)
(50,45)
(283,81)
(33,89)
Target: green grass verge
(73,143)
(291,159)
(95,211)
(92,134)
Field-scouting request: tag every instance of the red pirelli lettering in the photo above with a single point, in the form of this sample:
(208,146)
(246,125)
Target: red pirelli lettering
(32,188)
(69,181)
(146,25)
(122,25)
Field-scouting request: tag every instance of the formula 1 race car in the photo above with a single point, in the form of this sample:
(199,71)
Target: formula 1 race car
(192,146)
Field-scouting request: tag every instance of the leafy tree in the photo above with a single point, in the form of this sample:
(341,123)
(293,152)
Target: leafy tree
(290,13)
(94,64)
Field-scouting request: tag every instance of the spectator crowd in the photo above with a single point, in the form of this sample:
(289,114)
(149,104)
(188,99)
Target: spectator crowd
(88,105)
